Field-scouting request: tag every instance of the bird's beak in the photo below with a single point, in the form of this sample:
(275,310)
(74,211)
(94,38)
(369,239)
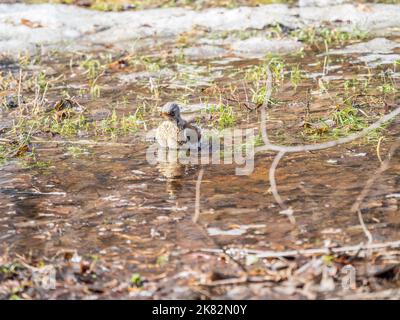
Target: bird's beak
(164,114)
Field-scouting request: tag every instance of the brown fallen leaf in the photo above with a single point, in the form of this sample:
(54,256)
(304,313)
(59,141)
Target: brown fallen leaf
(31,24)
(364,7)
(119,64)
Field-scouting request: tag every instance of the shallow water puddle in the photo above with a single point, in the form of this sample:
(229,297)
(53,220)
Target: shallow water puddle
(87,184)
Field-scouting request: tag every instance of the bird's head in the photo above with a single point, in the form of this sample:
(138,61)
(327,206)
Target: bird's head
(171,111)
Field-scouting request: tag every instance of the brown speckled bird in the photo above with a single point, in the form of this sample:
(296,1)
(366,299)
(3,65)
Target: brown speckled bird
(175,131)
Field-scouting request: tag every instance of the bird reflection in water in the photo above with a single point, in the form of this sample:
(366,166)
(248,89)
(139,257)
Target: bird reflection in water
(173,170)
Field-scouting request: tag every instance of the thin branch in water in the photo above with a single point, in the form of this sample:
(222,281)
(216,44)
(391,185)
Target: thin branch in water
(272,180)
(313,147)
(365,229)
(383,167)
(197,202)
(285,210)
(315,251)
(227,282)
(333,143)
(317,146)
(378,149)
(356,207)
(196,218)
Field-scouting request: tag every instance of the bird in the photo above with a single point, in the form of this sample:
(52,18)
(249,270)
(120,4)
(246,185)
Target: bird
(175,132)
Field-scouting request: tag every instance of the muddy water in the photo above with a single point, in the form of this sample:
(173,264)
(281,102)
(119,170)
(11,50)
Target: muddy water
(107,200)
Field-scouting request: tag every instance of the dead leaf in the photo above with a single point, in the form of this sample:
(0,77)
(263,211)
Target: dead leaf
(31,24)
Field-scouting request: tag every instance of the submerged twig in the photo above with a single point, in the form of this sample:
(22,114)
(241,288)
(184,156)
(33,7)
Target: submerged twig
(282,149)
(272,180)
(325,145)
(226,282)
(197,203)
(378,149)
(314,251)
(196,218)
(274,188)
(383,167)
(363,226)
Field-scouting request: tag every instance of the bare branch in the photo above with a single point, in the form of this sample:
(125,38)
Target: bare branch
(314,251)
(363,226)
(197,203)
(383,167)
(317,146)
(329,144)
(274,189)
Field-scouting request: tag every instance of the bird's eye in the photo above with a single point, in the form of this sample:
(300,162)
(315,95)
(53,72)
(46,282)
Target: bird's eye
(172,113)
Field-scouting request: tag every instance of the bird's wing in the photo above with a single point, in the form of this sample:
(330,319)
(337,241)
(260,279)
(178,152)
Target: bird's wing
(194,128)
(197,119)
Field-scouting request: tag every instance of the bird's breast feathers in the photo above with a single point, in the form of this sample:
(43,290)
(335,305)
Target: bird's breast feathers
(170,135)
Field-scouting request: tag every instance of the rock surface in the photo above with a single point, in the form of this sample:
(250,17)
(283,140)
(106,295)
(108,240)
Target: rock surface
(377,45)
(258,46)
(375,52)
